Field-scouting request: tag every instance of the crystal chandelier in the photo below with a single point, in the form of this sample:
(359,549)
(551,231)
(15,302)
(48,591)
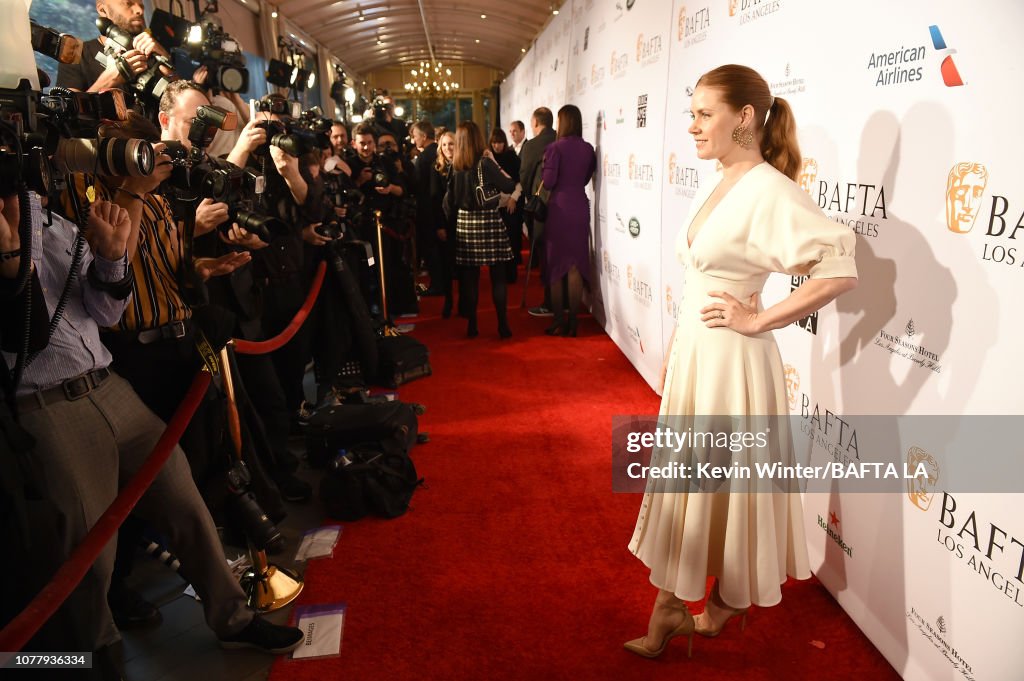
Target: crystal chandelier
(431,80)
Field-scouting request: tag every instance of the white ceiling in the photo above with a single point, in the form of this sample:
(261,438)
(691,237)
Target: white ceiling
(456,31)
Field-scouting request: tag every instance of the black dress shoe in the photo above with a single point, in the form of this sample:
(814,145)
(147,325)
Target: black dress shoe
(130,609)
(262,635)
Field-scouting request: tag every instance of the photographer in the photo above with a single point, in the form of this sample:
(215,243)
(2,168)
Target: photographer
(427,244)
(95,72)
(85,448)
(384,119)
(295,197)
(238,307)
(381,178)
(225,140)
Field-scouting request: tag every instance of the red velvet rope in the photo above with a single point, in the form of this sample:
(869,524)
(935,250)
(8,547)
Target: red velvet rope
(23,627)
(262,347)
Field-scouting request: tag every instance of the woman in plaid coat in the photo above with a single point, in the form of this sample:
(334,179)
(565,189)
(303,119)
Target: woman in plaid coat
(480,235)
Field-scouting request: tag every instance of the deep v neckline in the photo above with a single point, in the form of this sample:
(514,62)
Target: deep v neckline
(690,241)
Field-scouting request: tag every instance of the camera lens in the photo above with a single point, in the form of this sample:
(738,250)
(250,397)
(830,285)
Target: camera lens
(109,156)
(215,185)
(287,143)
(329,230)
(262,226)
(233,79)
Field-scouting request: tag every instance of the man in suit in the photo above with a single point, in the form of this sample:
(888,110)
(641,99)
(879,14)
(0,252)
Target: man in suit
(517,135)
(531,158)
(426,232)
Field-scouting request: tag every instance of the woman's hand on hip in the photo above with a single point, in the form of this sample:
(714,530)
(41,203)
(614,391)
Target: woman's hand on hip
(732,313)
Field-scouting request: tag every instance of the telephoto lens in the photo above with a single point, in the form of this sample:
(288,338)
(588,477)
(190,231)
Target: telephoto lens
(330,229)
(263,226)
(109,156)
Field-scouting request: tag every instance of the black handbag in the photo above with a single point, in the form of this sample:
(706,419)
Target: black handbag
(487,195)
(537,206)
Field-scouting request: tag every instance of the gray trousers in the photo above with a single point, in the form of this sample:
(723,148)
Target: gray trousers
(85,450)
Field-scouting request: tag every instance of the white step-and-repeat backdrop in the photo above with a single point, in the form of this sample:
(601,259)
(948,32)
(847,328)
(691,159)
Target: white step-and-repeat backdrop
(909,121)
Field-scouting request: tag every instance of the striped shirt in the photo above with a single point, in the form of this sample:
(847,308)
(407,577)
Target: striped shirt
(75,346)
(156,298)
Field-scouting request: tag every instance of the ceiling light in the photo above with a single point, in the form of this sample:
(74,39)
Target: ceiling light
(523,50)
(399,111)
(273,15)
(478,40)
(380,18)
(483,16)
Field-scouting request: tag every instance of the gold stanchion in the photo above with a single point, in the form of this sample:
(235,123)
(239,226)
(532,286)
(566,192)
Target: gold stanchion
(389,330)
(268,587)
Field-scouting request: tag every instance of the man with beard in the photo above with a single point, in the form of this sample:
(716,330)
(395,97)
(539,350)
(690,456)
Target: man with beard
(94,72)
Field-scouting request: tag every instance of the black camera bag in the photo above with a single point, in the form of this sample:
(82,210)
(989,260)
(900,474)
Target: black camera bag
(401,359)
(391,425)
(369,479)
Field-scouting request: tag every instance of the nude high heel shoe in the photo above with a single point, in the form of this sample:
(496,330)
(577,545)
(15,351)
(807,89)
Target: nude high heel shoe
(707,627)
(686,628)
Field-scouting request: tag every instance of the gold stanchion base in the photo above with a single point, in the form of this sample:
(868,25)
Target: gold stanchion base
(270,590)
(390,331)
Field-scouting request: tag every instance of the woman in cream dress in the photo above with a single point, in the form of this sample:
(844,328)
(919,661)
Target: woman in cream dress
(723,361)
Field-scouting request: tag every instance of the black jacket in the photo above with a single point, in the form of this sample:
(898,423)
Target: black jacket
(462,186)
(530,158)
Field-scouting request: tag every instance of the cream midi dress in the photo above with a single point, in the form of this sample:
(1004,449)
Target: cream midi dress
(751,540)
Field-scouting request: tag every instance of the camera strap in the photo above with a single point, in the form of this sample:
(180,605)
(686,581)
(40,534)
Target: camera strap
(193,288)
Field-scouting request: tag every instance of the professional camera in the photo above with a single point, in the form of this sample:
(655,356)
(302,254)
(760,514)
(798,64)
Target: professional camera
(209,45)
(196,176)
(382,165)
(289,136)
(43,135)
(151,82)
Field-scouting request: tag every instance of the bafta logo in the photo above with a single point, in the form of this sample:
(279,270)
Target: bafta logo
(732,7)
(964,188)
(682,22)
(921,491)
(808,175)
(672,168)
(639,47)
(629,277)
(668,299)
(632,166)
(792,378)
(604,259)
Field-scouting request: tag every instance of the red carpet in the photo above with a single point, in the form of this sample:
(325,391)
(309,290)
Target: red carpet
(512,563)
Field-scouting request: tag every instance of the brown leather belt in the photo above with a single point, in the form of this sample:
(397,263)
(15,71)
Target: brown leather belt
(70,390)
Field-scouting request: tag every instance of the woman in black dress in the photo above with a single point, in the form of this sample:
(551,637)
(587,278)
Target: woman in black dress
(509,208)
(480,236)
(445,228)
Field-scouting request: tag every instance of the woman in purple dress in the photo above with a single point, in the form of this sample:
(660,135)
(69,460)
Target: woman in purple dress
(569,163)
